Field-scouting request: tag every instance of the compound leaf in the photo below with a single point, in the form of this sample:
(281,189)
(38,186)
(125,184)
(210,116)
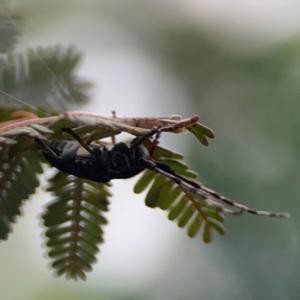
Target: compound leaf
(53,88)
(184,207)
(18,181)
(73,221)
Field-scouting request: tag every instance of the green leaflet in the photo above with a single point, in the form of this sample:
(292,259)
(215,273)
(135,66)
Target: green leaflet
(144,181)
(186,216)
(195,226)
(177,209)
(217,226)
(173,194)
(154,192)
(201,132)
(206,232)
(164,192)
(180,168)
(163,152)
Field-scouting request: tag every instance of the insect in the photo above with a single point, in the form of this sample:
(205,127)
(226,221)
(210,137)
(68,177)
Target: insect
(98,163)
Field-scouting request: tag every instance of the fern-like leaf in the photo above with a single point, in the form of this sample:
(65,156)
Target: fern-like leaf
(54,88)
(18,180)
(74,221)
(189,211)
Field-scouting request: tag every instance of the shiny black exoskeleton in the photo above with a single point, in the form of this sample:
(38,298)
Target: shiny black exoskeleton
(100,164)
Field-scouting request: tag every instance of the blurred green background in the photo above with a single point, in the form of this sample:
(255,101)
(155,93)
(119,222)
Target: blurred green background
(236,64)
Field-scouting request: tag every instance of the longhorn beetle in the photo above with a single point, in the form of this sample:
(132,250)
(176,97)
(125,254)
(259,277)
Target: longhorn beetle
(100,164)
(97,162)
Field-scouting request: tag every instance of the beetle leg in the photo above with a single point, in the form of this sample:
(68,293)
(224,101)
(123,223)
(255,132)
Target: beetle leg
(46,148)
(113,139)
(79,139)
(141,140)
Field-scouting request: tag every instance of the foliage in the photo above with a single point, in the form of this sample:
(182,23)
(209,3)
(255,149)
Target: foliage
(43,78)
(74,223)
(18,182)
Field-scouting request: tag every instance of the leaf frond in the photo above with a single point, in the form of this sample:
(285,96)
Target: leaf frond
(55,88)
(74,221)
(164,193)
(18,181)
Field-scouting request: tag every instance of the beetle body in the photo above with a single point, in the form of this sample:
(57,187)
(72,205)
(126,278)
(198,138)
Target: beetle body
(101,164)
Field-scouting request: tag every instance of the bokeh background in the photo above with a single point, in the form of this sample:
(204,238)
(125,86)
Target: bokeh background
(236,64)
